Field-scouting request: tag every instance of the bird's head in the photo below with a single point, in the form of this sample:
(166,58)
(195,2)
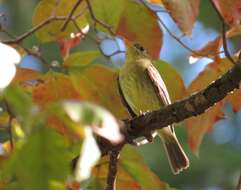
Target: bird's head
(135,50)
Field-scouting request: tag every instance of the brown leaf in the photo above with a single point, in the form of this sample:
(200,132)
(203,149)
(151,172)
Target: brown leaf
(139,24)
(230,10)
(184,13)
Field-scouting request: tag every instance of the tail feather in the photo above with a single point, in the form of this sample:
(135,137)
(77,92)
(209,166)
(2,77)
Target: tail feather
(176,156)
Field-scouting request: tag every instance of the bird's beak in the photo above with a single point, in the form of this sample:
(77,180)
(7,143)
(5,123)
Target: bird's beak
(127,43)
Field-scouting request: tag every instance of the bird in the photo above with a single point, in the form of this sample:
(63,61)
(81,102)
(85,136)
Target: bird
(142,89)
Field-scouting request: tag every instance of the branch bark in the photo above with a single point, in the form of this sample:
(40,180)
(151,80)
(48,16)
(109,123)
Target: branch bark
(112,171)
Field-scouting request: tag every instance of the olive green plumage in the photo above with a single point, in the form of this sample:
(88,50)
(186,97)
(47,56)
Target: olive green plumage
(143,90)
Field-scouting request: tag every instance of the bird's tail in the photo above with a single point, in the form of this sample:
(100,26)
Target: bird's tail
(176,156)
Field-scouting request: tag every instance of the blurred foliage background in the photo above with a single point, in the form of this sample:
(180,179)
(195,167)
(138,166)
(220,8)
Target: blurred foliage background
(218,165)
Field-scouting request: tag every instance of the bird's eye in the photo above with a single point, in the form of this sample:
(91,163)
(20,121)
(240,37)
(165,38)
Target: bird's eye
(139,47)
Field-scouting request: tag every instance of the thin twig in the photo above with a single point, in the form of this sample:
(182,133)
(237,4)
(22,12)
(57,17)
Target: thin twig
(112,172)
(97,20)
(11,117)
(173,35)
(225,46)
(25,49)
(10,132)
(34,29)
(239,183)
(70,15)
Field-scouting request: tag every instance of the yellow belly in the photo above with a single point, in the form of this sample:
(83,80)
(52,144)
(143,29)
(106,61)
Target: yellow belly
(138,90)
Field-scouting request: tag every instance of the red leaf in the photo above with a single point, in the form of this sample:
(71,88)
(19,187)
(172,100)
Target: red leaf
(67,44)
(230,10)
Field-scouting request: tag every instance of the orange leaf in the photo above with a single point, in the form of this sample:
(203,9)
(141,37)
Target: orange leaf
(139,24)
(7,147)
(55,123)
(198,126)
(98,84)
(184,13)
(155,1)
(23,75)
(54,87)
(211,49)
(230,10)
(235,31)
(235,100)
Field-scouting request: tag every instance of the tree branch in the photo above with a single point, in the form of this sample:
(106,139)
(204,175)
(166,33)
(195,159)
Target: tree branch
(44,23)
(194,105)
(112,171)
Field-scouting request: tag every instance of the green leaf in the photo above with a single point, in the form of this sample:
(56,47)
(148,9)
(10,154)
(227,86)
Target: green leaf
(46,9)
(108,13)
(41,162)
(81,59)
(172,79)
(20,103)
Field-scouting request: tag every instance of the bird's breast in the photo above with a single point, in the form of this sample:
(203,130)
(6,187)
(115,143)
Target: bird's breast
(138,90)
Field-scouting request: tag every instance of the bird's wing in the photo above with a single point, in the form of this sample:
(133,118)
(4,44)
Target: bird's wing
(158,84)
(131,112)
